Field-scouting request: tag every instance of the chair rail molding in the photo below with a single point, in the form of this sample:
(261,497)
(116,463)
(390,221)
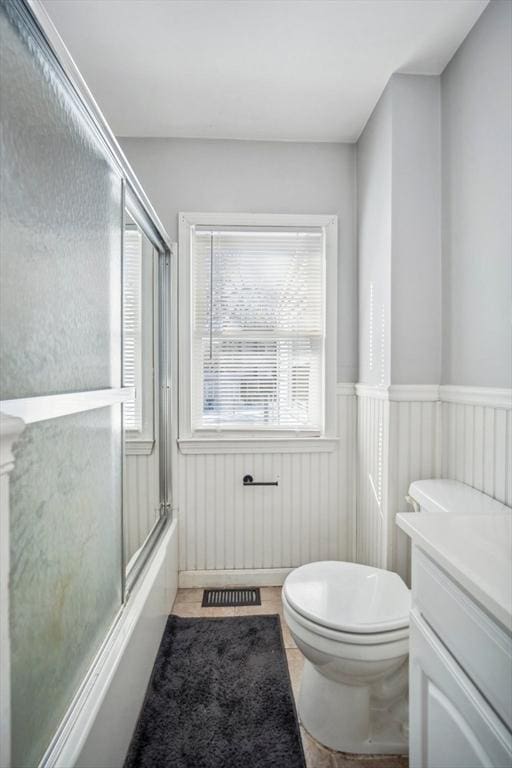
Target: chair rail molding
(409,393)
(413,393)
(375,391)
(345,389)
(10,431)
(495,397)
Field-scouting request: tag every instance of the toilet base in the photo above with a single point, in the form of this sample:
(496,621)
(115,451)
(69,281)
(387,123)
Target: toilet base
(344,718)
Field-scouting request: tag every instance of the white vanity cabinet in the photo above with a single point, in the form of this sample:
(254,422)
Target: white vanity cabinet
(460,676)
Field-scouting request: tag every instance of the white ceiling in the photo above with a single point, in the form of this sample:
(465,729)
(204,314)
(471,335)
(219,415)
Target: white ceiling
(300,70)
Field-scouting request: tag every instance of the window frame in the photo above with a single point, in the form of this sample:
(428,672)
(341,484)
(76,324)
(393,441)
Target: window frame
(222,440)
(141,442)
(131,432)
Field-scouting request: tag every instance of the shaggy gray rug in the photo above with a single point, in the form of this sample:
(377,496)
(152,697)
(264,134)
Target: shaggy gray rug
(219,697)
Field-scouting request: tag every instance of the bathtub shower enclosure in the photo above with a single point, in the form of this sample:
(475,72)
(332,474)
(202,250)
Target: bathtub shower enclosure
(68,201)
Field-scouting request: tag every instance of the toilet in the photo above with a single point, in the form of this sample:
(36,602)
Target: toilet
(351,622)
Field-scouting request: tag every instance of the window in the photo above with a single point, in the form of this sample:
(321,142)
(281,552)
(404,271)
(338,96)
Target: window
(132,326)
(258,352)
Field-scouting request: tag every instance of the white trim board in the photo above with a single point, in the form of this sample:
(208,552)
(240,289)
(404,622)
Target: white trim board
(10,431)
(260,445)
(375,392)
(345,389)
(138,447)
(400,392)
(40,408)
(187,220)
(412,393)
(206,218)
(494,397)
(245,577)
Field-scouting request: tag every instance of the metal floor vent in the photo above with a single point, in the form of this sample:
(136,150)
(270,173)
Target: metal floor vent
(225,598)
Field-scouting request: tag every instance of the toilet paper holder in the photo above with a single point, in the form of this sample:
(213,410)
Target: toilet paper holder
(249,480)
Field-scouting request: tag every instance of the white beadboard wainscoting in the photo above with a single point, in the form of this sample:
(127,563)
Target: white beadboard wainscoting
(414,454)
(387,437)
(224,526)
(372,458)
(398,442)
(408,433)
(477,440)
(141,500)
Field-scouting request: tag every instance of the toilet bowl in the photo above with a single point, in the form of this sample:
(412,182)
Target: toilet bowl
(351,622)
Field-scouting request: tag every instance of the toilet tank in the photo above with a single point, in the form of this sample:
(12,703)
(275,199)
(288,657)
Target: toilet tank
(451,497)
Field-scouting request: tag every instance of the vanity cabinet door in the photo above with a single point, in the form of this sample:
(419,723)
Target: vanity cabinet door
(451,725)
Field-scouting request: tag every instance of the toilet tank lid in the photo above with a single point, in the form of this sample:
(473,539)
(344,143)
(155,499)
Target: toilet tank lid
(454,498)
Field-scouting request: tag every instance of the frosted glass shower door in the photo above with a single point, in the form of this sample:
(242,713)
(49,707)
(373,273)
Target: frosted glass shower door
(65,534)
(60,333)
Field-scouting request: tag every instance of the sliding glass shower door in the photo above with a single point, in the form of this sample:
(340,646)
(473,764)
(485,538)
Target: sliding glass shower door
(147,474)
(61,234)
(60,274)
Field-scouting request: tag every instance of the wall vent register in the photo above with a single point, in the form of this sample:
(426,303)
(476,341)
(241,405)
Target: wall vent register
(227,598)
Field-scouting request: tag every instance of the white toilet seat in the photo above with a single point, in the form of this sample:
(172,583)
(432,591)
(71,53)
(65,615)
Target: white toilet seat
(348,597)
(349,638)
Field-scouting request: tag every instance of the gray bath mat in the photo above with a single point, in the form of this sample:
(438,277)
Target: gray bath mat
(219,697)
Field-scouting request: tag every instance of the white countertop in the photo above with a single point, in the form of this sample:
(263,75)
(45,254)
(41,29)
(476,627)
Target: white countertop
(476,550)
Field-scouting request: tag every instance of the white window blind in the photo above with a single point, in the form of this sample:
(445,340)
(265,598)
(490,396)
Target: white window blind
(258,306)
(132,326)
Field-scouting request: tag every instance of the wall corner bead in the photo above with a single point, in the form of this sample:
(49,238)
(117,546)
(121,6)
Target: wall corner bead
(10,430)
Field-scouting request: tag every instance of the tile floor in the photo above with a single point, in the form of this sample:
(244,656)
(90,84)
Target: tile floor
(188,603)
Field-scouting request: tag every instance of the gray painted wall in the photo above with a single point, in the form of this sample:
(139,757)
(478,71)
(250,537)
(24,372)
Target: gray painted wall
(422,318)
(374,175)
(399,232)
(477,204)
(260,177)
(416,230)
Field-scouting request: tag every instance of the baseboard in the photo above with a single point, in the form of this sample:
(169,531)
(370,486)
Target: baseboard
(98,727)
(244,577)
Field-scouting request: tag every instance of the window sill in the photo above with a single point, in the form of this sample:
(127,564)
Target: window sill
(258,445)
(138,447)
